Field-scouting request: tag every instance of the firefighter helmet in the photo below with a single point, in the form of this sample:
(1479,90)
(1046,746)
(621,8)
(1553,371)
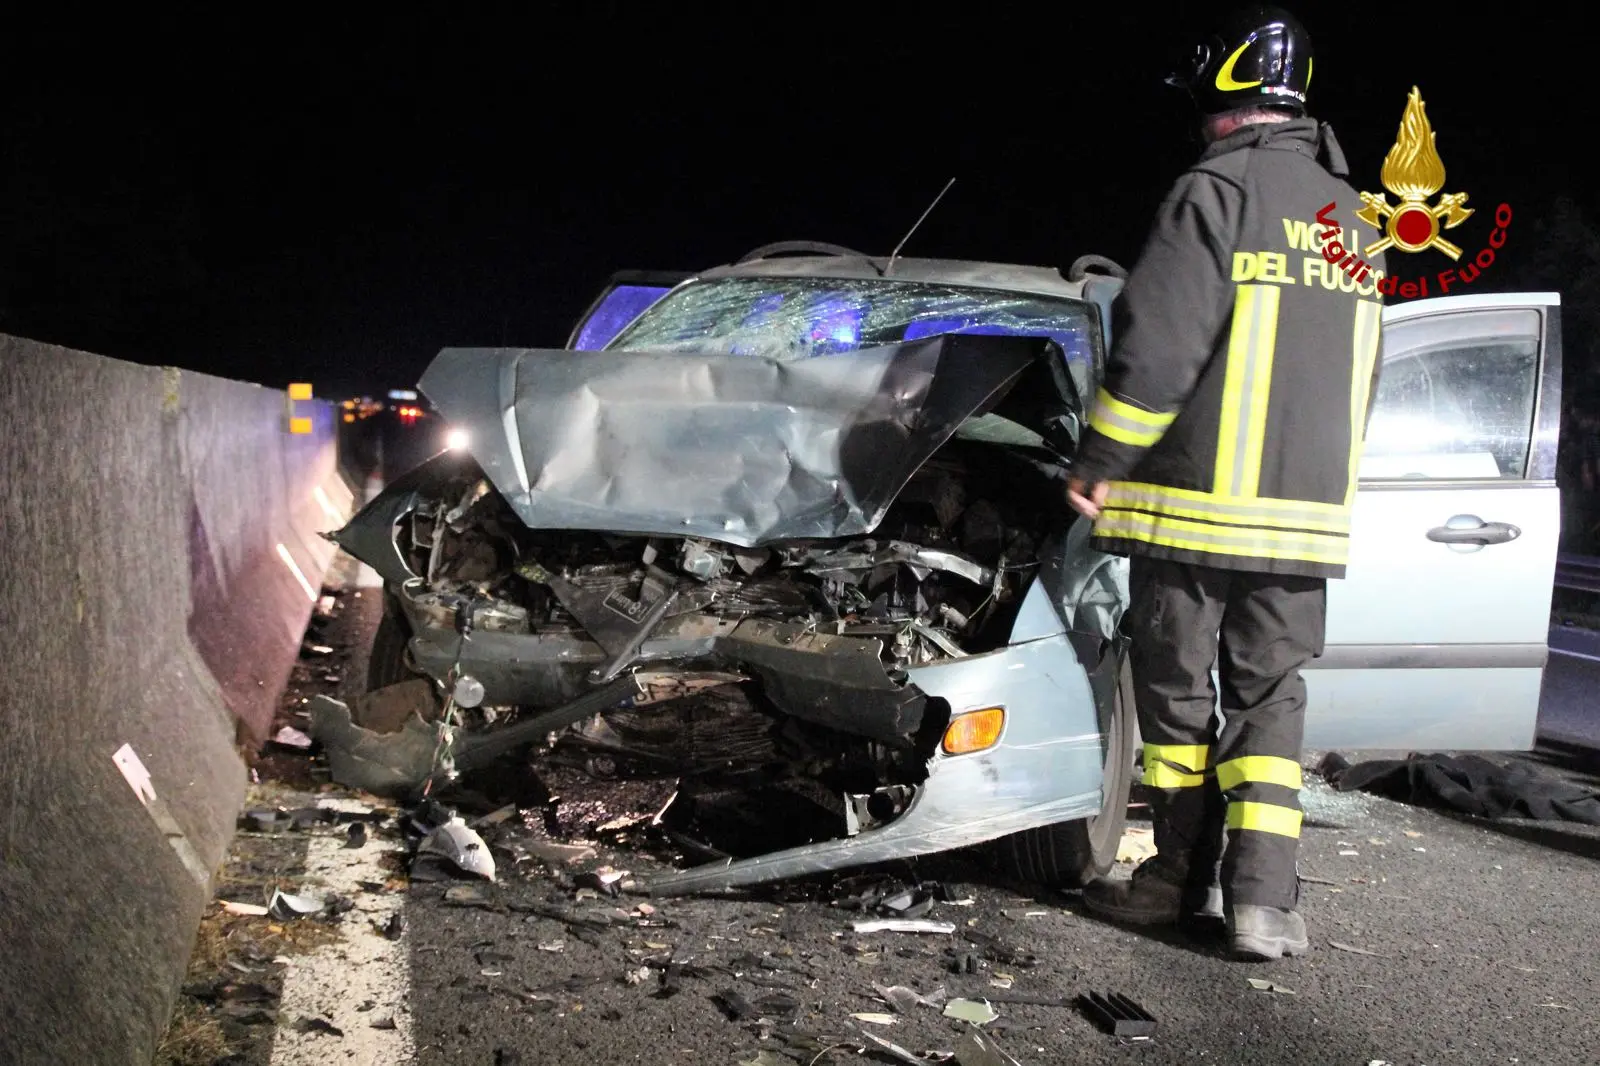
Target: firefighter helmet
(1259,57)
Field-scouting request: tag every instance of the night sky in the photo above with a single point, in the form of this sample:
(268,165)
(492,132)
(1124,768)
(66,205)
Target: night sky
(336,201)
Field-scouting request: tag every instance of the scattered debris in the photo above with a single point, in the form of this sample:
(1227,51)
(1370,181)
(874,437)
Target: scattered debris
(976,1011)
(1137,845)
(546,851)
(1118,1015)
(469,896)
(356,835)
(767,1058)
(249,910)
(286,906)
(290,737)
(1412,833)
(875,1019)
(1354,950)
(889,1047)
(1261,985)
(900,925)
(461,847)
(1316,880)
(905,1000)
(980,1049)
(318,1025)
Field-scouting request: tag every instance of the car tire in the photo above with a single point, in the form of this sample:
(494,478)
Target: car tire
(1068,855)
(387,665)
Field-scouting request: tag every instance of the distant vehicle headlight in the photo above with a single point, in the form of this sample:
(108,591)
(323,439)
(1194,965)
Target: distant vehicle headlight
(456,439)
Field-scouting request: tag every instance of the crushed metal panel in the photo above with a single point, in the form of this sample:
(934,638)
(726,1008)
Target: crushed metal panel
(1046,768)
(740,449)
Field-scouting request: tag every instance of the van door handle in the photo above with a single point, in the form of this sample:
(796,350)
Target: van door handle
(1480,533)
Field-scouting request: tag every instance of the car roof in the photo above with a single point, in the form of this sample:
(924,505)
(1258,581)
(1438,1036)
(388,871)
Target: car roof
(1007,277)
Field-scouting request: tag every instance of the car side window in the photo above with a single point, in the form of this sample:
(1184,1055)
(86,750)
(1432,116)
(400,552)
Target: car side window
(1456,397)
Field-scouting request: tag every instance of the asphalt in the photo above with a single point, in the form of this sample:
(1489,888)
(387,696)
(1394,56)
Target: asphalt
(1458,941)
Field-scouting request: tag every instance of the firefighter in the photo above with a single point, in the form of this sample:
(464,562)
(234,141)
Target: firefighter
(1221,456)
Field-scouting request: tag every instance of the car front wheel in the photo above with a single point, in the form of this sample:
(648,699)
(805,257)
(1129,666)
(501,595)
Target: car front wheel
(1069,855)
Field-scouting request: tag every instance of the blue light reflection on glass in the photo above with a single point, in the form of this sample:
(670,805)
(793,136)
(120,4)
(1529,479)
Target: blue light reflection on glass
(1072,342)
(836,326)
(621,306)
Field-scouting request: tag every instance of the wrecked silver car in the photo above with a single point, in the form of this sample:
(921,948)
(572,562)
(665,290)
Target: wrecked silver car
(800,525)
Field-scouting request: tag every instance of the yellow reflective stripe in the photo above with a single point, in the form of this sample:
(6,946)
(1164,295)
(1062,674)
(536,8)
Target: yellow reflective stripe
(1245,388)
(1259,385)
(1126,423)
(1158,499)
(1260,770)
(1263,503)
(1223,540)
(1264,818)
(1369,318)
(1159,774)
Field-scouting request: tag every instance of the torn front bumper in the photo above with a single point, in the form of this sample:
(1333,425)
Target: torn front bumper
(1047,767)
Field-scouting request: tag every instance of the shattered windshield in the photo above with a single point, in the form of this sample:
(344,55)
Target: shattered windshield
(803,318)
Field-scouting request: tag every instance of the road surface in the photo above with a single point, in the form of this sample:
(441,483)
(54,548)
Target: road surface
(1437,940)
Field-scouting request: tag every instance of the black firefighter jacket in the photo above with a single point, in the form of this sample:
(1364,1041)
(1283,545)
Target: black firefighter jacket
(1232,414)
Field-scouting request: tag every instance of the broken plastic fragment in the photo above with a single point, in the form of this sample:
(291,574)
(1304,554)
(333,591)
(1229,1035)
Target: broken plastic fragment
(1118,1015)
(896,1050)
(1267,986)
(1137,844)
(283,905)
(902,925)
(980,1049)
(461,847)
(874,1018)
(767,1058)
(1354,950)
(976,1011)
(905,1000)
(290,737)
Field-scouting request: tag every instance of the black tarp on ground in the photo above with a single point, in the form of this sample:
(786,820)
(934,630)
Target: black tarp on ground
(1467,783)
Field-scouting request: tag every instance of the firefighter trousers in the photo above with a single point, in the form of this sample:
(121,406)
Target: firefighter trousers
(1239,768)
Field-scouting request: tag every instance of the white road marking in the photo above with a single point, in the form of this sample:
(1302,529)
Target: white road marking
(337,980)
(299,575)
(328,508)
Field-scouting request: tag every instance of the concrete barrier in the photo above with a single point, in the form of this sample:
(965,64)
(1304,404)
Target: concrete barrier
(161,565)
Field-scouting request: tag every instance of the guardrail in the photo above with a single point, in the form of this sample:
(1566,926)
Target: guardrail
(1578,572)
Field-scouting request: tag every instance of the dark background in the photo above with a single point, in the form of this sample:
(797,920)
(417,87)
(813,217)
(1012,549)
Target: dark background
(334,200)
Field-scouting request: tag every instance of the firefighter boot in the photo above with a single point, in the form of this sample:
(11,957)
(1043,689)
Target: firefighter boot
(1181,884)
(1266,933)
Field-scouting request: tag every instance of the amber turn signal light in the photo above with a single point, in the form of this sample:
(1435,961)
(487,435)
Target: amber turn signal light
(974,731)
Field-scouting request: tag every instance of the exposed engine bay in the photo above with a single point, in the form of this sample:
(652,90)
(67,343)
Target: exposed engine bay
(751,662)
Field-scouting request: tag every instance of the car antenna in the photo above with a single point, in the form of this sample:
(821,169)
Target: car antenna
(913,229)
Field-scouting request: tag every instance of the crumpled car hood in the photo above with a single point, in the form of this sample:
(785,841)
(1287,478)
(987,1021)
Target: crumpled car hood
(739,449)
